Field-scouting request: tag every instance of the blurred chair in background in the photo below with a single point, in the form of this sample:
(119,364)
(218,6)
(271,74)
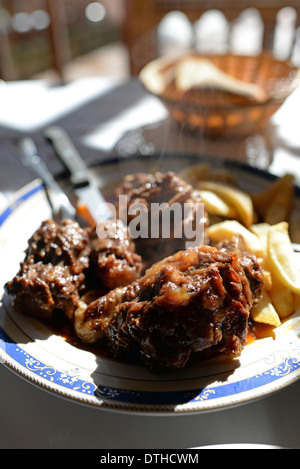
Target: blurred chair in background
(35,21)
(59,40)
(37,35)
(155,27)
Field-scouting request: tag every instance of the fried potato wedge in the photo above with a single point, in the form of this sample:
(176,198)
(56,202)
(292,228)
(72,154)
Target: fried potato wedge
(262,231)
(268,279)
(280,207)
(235,197)
(274,203)
(215,205)
(282,299)
(281,257)
(229,228)
(264,311)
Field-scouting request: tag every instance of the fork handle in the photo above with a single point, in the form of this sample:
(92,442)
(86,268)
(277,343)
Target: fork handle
(68,154)
(58,199)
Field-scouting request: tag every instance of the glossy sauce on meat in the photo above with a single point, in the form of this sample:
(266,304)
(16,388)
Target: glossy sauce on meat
(95,293)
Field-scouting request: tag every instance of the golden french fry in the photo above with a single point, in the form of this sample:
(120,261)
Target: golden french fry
(229,228)
(262,231)
(263,200)
(282,299)
(264,311)
(268,280)
(281,257)
(237,198)
(215,205)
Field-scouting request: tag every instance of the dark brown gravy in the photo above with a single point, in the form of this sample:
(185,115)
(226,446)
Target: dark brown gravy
(62,327)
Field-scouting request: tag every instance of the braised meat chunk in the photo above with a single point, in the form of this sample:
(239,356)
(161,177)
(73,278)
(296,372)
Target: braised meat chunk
(198,299)
(248,261)
(91,320)
(41,289)
(66,243)
(61,262)
(195,300)
(163,191)
(113,255)
(53,270)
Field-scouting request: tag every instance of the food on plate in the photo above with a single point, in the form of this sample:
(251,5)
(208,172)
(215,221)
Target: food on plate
(240,202)
(155,298)
(215,205)
(261,230)
(265,312)
(53,270)
(61,263)
(281,270)
(282,298)
(151,192)
(229,228)
(272,246)
(271,206)
(222,195)
(198,299)
(275,203)
(281,257)
(113,257)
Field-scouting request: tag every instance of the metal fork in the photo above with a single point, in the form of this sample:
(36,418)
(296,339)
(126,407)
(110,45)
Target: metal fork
(60,204)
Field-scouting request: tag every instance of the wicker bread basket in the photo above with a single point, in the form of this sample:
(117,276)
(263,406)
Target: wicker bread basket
(219,112)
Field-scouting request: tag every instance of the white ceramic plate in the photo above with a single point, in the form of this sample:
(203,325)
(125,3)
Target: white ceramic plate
(52,363)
